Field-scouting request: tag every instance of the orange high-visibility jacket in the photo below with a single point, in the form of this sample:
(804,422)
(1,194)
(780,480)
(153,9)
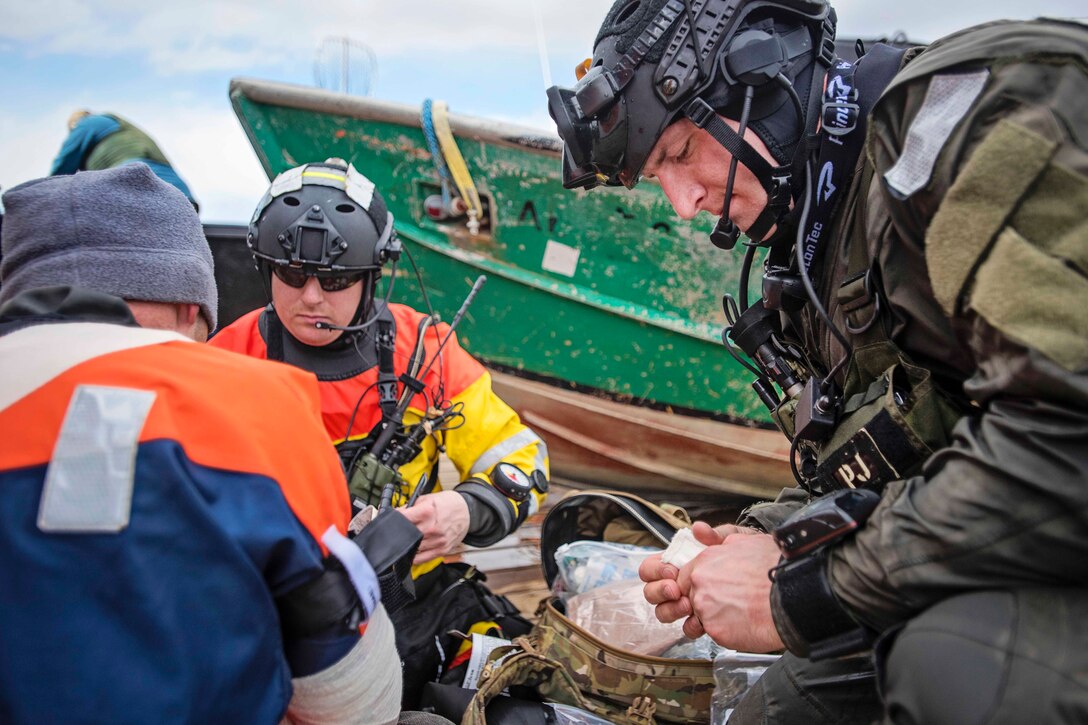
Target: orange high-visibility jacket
(157,497)
(492,431)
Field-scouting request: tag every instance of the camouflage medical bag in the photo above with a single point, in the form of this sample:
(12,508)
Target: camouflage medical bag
(564,663)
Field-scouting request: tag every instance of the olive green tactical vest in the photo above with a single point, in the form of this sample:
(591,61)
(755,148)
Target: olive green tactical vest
(900,271)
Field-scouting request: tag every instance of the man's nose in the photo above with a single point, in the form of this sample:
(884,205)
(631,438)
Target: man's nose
(685,195)
(312,292)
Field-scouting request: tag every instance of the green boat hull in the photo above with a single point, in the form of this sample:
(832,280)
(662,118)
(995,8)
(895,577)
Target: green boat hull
(606,292)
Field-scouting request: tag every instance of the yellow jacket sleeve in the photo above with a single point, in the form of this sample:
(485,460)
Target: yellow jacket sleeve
(493,433)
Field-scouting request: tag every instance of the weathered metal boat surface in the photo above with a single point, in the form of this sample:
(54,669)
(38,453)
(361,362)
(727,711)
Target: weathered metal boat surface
(607,292)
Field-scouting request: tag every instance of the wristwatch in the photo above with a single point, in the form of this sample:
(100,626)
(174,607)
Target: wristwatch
(512,481)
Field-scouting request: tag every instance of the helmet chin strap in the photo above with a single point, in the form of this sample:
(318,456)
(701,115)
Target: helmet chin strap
(778,206)
(726,233)
(774,179)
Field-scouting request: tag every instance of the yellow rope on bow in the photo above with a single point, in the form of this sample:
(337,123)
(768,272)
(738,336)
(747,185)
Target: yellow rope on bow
(456,163)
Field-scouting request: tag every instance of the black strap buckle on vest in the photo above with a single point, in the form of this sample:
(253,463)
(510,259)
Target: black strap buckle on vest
(827,42)
(840,117)
(778,197)
(387,377)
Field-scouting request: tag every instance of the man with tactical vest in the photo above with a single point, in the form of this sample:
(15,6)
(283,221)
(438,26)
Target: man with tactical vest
(172,520)
(320,237)
(921,337)
(99,141)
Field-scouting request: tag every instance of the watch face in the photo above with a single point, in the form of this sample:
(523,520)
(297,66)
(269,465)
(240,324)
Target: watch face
(512,481)
(515,474)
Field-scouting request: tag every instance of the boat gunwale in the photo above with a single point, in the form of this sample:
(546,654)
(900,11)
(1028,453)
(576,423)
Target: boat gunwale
(370,109)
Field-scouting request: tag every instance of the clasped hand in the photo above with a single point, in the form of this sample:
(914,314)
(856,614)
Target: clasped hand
(725,591)
(443,520)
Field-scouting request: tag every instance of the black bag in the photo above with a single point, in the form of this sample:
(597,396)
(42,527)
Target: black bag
(449,600)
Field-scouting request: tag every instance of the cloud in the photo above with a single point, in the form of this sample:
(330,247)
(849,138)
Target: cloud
(927,20)
(205,144)
(225,35)
(181,33)
(277,38)
(35,20)
(28,144)
(209,35)
(209,149)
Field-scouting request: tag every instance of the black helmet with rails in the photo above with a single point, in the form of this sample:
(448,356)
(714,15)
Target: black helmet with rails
(325,220)
(324,217)
(758,62)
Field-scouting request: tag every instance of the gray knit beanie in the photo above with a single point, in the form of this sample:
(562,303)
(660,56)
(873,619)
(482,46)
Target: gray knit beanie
(121,231)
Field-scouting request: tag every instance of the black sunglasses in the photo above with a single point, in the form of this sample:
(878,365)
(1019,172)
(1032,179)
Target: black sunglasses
(329,282)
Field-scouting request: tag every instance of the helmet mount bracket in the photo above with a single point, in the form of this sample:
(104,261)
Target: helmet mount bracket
(312,239)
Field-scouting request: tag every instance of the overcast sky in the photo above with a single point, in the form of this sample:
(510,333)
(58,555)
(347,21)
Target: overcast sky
(166,66)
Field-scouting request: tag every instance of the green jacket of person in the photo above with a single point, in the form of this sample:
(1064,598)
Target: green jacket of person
(922,337)
(99,141)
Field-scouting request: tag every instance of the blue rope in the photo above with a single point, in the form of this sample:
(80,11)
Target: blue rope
(436,153)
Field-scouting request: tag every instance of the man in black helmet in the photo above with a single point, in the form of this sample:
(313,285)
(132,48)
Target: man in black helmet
(321,236)
(921,337)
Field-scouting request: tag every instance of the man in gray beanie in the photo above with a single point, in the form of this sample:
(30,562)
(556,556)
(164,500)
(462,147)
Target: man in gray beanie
(171,515)
(121,232)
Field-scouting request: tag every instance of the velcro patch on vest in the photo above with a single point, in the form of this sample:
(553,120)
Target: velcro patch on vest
(947,101)
(89,482)
(862,462)
(1045,310)
(1052,215)
(978,205)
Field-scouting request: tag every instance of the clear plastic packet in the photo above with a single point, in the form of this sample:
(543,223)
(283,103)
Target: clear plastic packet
(734,674)
(586,565)
(618,614)
(703,648)
(568,715)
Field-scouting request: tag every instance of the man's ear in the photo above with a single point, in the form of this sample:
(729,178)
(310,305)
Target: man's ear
(187,314)
(191,322)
